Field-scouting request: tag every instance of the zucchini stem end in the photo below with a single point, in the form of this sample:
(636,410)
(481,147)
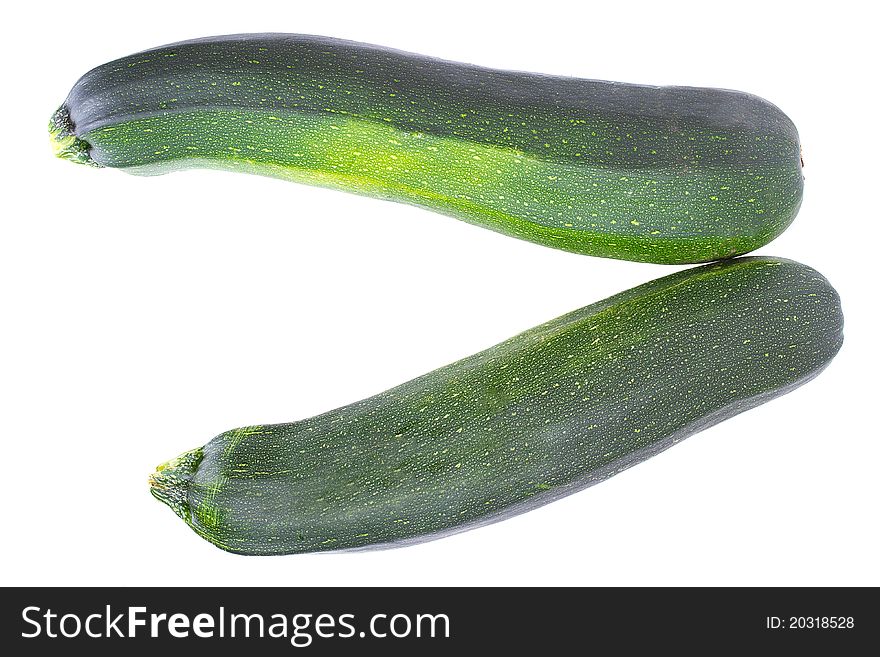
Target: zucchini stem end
(65,143)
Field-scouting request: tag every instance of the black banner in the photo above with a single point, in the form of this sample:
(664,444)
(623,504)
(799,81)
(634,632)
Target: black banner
(278,621)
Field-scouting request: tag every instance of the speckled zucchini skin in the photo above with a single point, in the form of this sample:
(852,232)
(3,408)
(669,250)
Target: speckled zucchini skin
(654,174)
(542,415)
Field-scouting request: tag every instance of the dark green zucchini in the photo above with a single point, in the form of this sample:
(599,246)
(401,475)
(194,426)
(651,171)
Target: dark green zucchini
(542,415)
(653,174)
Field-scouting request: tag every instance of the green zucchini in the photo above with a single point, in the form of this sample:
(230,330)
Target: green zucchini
(542,415)
(653,174)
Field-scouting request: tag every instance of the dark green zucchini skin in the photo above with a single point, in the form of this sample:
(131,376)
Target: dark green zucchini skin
(540,416)
(654,174)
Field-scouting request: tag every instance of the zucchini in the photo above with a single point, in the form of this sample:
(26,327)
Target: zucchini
(542,415)
(652,174)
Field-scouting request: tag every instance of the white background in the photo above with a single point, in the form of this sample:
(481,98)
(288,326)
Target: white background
(142,316)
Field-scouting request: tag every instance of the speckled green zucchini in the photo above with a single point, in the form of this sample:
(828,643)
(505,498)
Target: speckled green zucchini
(654,174)
(542,415)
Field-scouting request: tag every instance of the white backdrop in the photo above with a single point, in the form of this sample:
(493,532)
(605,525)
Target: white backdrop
(141,317)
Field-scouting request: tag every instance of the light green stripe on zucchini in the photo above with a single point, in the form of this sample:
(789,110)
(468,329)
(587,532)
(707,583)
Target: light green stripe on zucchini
(571,206)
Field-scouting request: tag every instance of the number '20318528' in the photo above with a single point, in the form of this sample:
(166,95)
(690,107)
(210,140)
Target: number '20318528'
(810,623)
